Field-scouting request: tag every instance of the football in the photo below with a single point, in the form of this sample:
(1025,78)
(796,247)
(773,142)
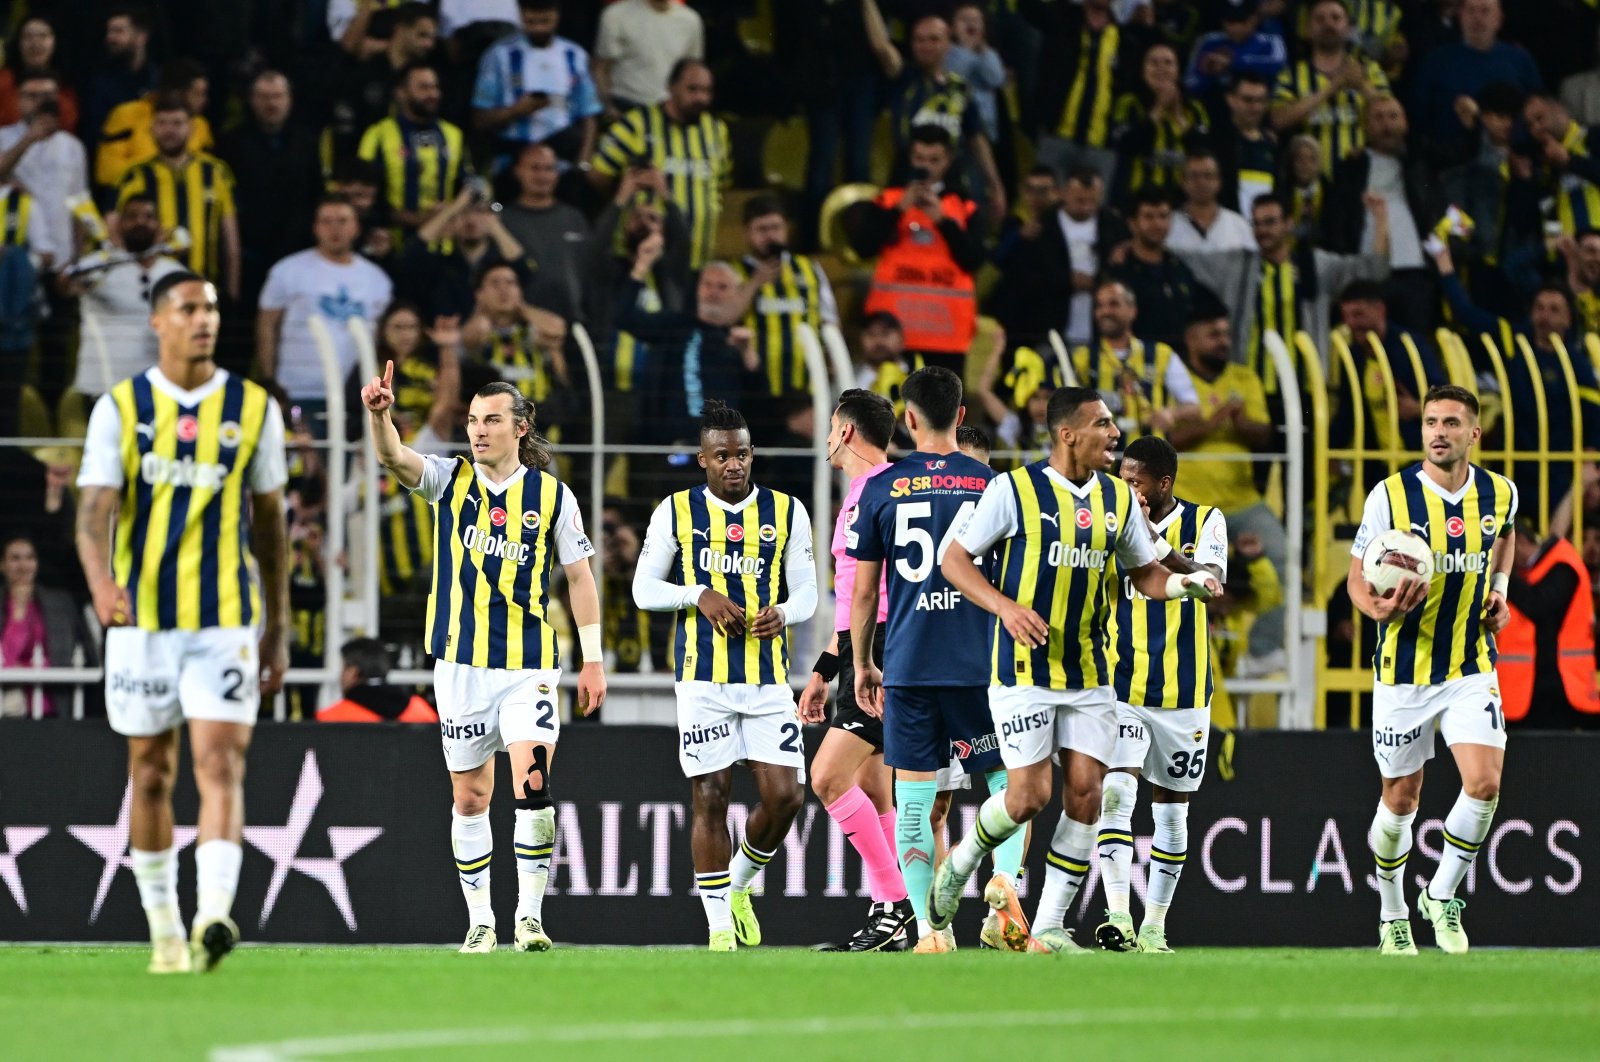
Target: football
(1393,556)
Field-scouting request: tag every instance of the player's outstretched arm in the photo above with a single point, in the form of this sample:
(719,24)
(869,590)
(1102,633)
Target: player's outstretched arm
(97,512)
(585,598)
(1410,594)
(402,461)
(269,541)
(1160,583)
(1023,624)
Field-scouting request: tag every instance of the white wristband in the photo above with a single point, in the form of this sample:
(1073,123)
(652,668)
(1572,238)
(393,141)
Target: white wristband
(589,642)
(1191,585)
(1163,547)
(1498,582)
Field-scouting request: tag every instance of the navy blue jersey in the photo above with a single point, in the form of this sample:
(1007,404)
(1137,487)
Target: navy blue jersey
(908,515)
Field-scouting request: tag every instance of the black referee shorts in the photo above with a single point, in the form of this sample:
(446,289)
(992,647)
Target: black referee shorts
(846,715)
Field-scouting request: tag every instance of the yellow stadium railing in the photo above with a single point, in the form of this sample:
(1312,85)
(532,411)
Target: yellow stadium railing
(1339,473)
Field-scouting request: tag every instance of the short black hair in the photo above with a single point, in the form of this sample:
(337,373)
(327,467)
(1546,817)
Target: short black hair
(681,67)
(482,274)
(1205,309)
(759,206)
(1362,291)
(168,101)
(1044,169)
(1155,455)
(936,392)
(1555,287)
(138,197)
(871,413)
(359,171)
(539,5)
(368,656)
(1065,403)
(717,415)
(1149,195)
(1084,175)
(403,75)
(1269,199)
(928,133)
(406,15)
(1451,393)
(1503,98)
(138,14)
(159,289)
(1249,77)
(884,318)
(969,437)
(1199,152)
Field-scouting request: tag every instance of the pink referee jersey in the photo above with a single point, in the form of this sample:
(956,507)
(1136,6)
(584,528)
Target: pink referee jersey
(844,566)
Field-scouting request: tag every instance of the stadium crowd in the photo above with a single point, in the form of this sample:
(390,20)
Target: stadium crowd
(1159,182)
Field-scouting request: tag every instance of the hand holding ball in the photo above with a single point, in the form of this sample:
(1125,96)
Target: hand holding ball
(1393,558)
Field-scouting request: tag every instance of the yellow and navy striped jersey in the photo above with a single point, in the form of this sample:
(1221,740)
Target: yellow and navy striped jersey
(1154,149)
(740,555)
(695,159)
(183,530)
(197,195)
(887,378)
(1056,542)
(423,164)
(800,295)
(915,99)
(1086,117)
(495,552)
(1340,124)
(516,354)
(1029,371)
(1280,289)
(405,537)
(16,211)
(1106,371)
(1444,638)
(1161,650)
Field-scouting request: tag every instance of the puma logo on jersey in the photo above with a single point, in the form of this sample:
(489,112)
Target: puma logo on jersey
(1421,529)
(1054,518)
(704,533)
(147,430)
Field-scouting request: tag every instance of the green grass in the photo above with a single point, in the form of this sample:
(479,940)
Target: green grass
(786,1005)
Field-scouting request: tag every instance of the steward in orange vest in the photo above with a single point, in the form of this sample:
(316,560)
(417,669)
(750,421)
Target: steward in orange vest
(928,251)
(368,698)
(1546,652)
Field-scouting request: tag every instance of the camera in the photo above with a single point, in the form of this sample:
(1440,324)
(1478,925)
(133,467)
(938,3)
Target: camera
(920,173)
(51,106)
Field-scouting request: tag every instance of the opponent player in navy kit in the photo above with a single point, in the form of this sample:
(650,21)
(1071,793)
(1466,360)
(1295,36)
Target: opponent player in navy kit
(933,689)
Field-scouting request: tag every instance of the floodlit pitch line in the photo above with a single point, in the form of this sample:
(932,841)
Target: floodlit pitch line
(329,1046)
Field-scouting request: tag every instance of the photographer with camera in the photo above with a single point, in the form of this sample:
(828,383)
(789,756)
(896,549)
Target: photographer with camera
(928,241)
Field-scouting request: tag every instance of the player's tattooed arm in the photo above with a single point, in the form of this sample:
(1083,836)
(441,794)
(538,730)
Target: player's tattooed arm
(97,511)
(269,540)
(1178,564)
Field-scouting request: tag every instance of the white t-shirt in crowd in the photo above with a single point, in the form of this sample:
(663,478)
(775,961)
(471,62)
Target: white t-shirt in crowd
(454,14)
(1229,232)
(115,340)
(102,444)
(641,44)
(306,283)
(1080,237)
(52,171)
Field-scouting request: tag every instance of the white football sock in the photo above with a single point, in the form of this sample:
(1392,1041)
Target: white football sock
(1066,864)
(1390,841)
(1465,830)
(535,842)
(1168,851)
(1119,793)
(157,876)
(474,851)
(216,871)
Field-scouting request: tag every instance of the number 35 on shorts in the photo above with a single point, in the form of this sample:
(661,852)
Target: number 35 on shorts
(1186,764)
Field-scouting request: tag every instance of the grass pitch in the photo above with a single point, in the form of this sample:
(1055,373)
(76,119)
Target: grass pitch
(783,1005)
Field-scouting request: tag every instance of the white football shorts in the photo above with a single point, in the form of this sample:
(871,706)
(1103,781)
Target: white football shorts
(157,679)
(1404,718)
(1168,746)
(723,723)
(482,710)
(1032,723)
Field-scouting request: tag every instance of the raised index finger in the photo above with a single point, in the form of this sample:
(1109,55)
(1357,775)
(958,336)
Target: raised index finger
(388,373)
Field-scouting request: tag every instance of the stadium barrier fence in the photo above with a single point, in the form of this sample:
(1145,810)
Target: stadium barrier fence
(347,841)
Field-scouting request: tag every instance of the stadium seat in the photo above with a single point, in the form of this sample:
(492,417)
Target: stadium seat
(829,231)
(783,153)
